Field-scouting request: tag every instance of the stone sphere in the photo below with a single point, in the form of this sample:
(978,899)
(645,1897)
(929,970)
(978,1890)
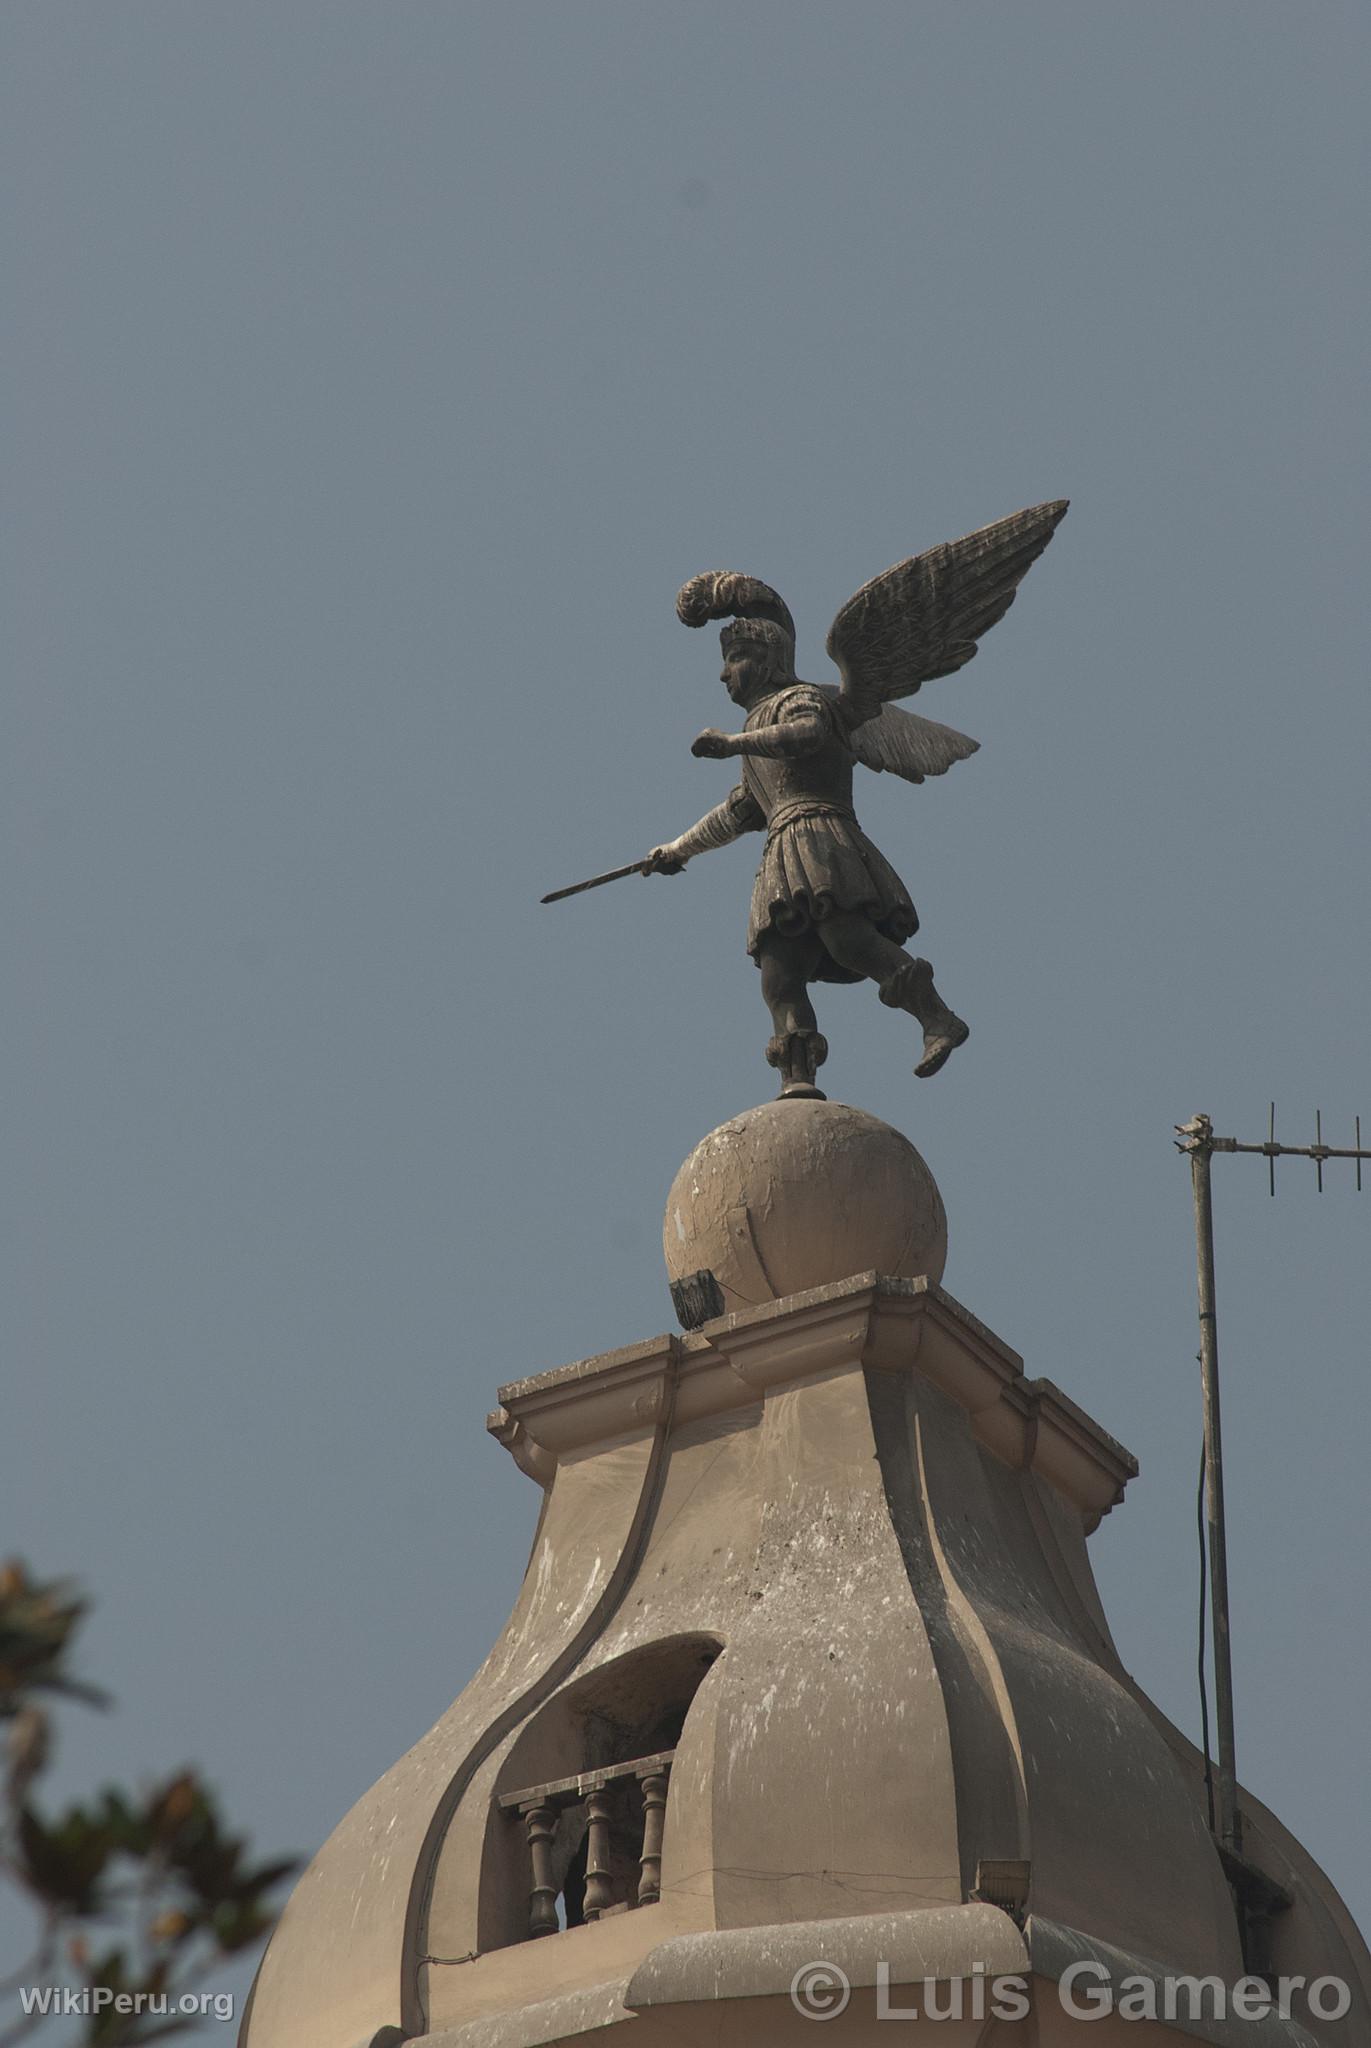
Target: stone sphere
(800,1193)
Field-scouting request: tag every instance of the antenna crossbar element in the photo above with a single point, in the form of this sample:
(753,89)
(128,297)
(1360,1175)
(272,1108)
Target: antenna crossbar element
(1272,1151)
(1199,1134)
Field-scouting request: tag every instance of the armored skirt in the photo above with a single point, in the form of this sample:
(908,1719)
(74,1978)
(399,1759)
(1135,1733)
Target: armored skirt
(817,860)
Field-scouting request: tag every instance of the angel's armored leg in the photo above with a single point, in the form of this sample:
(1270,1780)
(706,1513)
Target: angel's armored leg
(904,983)
(797,1049)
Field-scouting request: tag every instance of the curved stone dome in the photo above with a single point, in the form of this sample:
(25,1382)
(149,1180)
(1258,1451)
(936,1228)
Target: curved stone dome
(799,1193)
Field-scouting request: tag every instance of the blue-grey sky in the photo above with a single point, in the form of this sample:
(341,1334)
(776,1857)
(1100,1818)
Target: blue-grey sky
(373,375)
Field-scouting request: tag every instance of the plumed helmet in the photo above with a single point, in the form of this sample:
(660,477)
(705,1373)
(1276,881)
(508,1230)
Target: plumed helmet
(724,594)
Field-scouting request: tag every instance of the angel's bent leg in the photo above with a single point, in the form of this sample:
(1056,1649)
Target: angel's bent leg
(855,944)
(785,984)
(904,983)
(797,1047)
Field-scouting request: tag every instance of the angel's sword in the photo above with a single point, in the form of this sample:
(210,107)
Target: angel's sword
(635,867)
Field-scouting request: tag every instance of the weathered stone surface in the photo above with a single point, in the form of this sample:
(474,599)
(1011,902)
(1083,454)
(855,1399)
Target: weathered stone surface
(799,1193)
(863,1527)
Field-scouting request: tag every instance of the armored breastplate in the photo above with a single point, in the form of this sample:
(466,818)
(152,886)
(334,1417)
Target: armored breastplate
(824,777)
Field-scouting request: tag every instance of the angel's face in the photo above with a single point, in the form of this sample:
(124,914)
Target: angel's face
(746,669)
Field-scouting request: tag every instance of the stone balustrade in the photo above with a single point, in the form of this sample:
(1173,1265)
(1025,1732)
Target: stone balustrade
(609,1807)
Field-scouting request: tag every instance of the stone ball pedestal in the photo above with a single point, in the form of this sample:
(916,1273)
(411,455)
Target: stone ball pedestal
(801,1193)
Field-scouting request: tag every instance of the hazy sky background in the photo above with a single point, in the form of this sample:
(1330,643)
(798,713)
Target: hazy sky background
(374,375)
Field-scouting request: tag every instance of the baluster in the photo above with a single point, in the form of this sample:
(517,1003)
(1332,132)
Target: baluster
(654,1824)
(541,1824)
(599,1885)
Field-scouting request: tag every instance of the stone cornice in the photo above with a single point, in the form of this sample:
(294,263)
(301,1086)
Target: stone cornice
(620,1393)
(869,1320)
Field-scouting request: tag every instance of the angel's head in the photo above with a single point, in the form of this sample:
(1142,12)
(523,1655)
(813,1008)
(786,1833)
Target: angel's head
(759,659)
(759,644)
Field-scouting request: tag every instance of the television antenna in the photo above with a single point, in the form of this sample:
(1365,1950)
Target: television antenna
(1197,1139)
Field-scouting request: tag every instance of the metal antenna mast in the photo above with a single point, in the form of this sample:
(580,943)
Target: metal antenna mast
(1198,1140)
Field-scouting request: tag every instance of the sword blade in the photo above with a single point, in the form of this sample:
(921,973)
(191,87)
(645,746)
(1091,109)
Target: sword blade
(635,867)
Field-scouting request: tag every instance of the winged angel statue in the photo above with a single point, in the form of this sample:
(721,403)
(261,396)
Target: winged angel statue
(827,905)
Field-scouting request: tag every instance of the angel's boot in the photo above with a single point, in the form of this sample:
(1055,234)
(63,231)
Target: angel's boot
(797,1056)
(911,988)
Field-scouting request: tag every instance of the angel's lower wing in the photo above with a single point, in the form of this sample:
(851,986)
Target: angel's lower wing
(924,617)
(908,745)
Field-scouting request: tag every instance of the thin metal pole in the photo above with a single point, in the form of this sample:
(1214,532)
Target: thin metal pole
(1230,1822)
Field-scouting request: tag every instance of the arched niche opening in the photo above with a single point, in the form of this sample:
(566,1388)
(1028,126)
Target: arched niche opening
(579,1812)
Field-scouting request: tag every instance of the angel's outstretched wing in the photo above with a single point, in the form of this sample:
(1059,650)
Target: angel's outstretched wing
(924,617)
(908,745)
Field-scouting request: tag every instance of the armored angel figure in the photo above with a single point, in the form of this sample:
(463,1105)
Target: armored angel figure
(826,904)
